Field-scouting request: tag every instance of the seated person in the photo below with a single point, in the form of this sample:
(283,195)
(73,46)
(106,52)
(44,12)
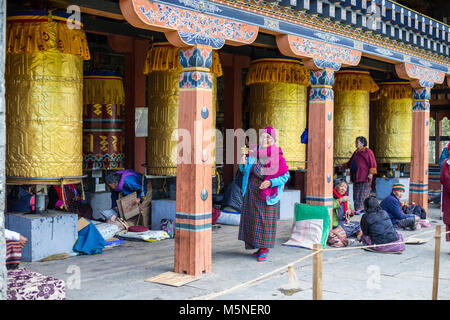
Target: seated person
(233,197)
(21,199)
(377,228)
(342,211)
(391,204)
(14,244)
(126,182)
(71,200)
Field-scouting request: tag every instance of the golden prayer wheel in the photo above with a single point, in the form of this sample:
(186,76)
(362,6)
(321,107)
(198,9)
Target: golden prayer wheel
(391,122)
(103,101)
(352,88)
(163,69)
(277,98)
(44,98)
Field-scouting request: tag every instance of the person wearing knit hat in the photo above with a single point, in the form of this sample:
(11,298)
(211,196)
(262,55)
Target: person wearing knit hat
(398,187)
(261,204)
(392,205)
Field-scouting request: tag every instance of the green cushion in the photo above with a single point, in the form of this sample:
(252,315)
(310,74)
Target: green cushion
(308,211)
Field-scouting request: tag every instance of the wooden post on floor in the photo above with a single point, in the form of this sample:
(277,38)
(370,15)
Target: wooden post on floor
(437,134)
(420,146)
(319,174)
(317,272)
(437,253)
(194,183)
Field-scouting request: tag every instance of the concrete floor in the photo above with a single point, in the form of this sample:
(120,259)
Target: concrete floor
(119,273)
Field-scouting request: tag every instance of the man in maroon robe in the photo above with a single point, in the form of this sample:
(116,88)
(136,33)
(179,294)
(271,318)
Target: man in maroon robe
(445,180)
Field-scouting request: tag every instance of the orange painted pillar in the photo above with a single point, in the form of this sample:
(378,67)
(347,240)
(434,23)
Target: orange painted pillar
(233,65)
(134,51)
(319,173)
(418,186)
(194,180)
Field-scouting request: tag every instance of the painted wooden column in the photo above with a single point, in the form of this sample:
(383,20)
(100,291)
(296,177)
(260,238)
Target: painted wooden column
(196,33)
(319,174)
(418,185)
(422,80)
(134,51)
(437,135)
(233,65)
(194,182)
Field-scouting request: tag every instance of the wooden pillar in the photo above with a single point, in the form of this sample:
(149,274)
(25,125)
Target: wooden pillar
(134,51)
(317,272)
(233,65)
(438,134)
(319,189)
(420,148)
(437,255)
(194,182)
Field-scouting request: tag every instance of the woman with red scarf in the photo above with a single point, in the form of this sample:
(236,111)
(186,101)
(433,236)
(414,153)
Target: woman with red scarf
(342,211)
(268,172)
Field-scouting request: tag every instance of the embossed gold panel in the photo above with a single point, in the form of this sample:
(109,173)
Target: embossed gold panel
(351,120)
(163,121)
(43,115)
(282,106)
(352,89)
(391,125)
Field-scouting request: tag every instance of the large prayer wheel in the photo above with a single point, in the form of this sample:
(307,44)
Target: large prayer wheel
(44,98)
(277,98)
(163,70)
(352,88)
(103,103)
(391,122)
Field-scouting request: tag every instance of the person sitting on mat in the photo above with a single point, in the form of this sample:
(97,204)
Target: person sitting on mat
(377,228)
(392,205)
(342,210)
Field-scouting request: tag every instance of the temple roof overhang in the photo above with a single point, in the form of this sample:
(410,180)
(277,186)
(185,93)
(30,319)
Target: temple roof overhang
(315,28)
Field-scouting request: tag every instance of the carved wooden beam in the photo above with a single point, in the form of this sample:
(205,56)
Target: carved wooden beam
(184,28)
(420,77)
(316,54)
